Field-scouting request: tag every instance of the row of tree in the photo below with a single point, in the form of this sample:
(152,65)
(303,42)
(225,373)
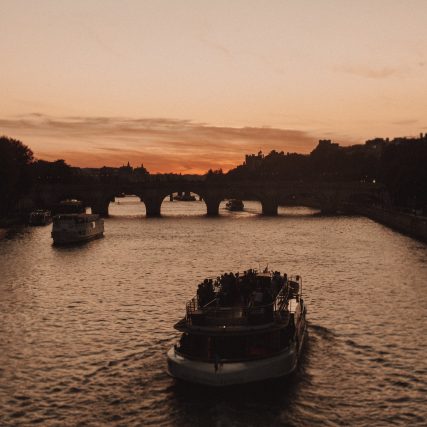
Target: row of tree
(15,161)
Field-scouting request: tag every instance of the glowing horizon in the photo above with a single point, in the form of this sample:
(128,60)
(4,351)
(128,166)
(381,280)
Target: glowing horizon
(185,87)
(162,145)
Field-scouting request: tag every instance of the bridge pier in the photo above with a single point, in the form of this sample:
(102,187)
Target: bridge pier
(100,207)
(329,205)
(153,206)
(212,205)
(329,210)
(269,207)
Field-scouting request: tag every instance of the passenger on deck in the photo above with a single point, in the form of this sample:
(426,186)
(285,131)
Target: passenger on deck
(285,281)
(231,289)
(267,297)
(258,297)
(205,293)
(245,290)
(210,292)
(276,284)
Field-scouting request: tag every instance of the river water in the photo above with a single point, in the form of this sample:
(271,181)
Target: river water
(84,330)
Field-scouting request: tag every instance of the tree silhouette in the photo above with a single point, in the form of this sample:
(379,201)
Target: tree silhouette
(15,158)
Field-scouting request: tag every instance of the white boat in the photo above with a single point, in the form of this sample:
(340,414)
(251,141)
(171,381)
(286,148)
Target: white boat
(241,337)
(74,225)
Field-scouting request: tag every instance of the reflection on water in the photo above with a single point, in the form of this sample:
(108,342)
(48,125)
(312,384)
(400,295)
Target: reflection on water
(85,329)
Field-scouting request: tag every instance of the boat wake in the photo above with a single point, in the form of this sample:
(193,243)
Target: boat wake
(321,331)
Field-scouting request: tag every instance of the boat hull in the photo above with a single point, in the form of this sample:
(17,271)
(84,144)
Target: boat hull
(65,234)
(76,228)
(233,373)
(62,239)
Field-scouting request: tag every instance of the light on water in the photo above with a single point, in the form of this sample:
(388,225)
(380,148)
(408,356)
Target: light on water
(85,329)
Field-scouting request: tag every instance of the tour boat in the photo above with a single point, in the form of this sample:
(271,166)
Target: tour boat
(73,225)
(234,205)
(252,329)
(40,217)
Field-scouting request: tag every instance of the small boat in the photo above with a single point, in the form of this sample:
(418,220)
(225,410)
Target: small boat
(185,197)
(234,205)
(240,329)
(73,225)
(40,217)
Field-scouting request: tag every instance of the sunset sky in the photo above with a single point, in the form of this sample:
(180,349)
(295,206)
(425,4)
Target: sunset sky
(190,85)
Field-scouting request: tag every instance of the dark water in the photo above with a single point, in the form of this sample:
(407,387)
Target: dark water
(84,330)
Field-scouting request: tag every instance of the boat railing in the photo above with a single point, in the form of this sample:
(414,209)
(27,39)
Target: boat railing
(215,314)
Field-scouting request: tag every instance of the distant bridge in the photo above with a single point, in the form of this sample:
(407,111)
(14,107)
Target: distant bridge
(329,197)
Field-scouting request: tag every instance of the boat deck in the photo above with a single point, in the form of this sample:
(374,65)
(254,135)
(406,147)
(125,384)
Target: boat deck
(238,310)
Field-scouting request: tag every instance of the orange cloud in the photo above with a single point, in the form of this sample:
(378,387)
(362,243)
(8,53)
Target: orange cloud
(162,145)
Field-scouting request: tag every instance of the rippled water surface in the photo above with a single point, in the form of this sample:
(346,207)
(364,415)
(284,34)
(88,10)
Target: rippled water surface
(84,330)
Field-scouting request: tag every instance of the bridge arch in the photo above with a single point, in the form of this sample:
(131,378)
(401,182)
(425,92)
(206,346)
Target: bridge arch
(328,201)
(302,198)
(269,200)
(171,204)
(363,199)
(122,204)
(154,199)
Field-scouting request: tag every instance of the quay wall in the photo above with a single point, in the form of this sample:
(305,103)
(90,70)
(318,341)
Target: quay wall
(410,224)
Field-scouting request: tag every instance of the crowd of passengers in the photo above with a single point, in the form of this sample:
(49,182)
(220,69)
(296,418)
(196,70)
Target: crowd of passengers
(249,288)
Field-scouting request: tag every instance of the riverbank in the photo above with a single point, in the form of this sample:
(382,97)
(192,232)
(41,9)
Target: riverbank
(410,224)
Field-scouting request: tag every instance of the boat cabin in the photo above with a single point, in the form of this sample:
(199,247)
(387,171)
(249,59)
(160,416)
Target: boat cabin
(241,316)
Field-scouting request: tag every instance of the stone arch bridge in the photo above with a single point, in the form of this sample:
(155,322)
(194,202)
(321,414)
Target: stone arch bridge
(329,197)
